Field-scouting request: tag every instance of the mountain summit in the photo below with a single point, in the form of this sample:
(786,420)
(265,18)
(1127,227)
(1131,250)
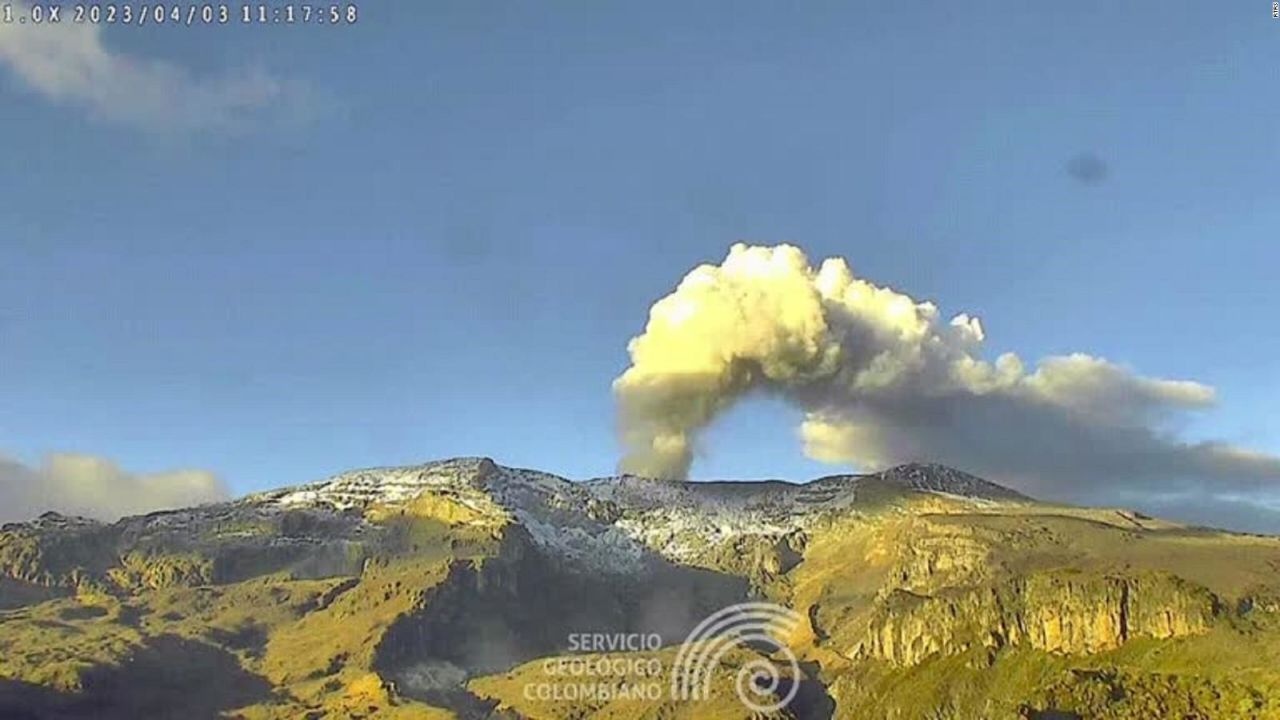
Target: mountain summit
(444,589)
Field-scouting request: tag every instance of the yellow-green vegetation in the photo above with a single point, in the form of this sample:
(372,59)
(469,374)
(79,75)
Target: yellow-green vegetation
(57,642)
(138,570)
(449,510)
(1021,610)
(439,526)
(456,601)
(326,657)
(1018,683)
(306,645)
(268,647)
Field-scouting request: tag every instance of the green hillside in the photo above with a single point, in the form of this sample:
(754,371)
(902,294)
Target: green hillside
(349,600)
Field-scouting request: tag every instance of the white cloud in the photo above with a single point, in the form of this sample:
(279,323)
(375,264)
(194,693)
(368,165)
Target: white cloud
(75,484)
(69,63)
(884,378)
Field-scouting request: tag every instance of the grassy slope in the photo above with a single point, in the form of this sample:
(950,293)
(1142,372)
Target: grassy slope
(1230,672)
(270,647)
(934,545)
(275,647)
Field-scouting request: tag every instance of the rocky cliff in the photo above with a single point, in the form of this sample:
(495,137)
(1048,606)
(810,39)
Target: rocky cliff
(1058,612)
(426,591)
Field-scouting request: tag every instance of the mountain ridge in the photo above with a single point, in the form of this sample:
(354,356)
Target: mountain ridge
(435,590)
(398,483)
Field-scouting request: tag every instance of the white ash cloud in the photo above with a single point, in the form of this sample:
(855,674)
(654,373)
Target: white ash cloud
(884,378)
(91,486)
(69,63)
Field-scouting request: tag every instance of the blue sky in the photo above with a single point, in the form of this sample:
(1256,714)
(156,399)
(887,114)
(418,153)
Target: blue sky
(437,234)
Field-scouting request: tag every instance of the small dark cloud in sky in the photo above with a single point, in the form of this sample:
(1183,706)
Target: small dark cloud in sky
(1088,168)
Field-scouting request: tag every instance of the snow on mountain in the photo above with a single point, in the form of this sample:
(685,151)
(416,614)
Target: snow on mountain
(610,523)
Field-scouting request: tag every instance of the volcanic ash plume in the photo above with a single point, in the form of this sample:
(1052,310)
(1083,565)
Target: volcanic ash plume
(882,378)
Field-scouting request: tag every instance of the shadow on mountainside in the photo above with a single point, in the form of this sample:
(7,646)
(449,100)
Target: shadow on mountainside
(521,605)
(169,677)
(811,701)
